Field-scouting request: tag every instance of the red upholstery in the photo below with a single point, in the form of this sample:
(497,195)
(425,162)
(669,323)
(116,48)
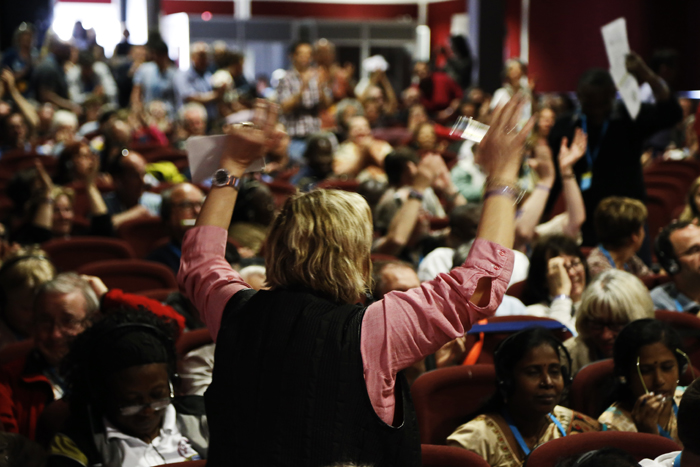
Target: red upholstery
(6,205)
(445,398)
(15,350)
(491,340)
(281,191)
(143,234)
(659,208)
(516,290)
(192,340)
(654,280)
(450,456)
(684,322)
(70,254)
(586,394)
(639,445)
(375,257)
(15,161)
(439,223)
(345,185)
(131,275)
(158,294)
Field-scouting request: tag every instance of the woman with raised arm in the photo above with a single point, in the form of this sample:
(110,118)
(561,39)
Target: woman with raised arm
(304,375)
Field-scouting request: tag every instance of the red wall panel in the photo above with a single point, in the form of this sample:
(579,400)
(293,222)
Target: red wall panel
(169,7)
(440,20)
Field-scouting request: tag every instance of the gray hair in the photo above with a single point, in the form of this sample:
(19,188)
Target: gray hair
(69,282)
(192,107)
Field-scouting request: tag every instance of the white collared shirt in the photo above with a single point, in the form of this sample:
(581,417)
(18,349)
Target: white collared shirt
(169,447)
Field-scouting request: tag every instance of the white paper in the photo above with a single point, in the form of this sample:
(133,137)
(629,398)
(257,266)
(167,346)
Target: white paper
(469,129)
(204,154)
(375,63)
(617,47)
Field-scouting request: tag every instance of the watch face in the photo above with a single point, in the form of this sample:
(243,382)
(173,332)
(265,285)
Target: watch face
(220,177)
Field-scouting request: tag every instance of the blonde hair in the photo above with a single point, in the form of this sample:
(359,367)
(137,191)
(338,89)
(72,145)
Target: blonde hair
(616,295)
(690,211)
(26,269)
(322,241)
(63,191)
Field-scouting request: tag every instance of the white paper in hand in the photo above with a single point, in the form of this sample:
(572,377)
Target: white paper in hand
(617,47)
(204,154)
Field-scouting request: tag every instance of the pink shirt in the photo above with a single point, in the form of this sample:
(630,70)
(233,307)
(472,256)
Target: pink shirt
(397,331)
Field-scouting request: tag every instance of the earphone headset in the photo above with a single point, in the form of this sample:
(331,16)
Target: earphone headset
(669,263)
(506,384)
(683,367)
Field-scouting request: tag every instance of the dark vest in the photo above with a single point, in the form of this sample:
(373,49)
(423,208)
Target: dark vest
(288,388)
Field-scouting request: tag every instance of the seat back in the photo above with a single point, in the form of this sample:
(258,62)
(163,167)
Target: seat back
(450,456)
(516,290)
(192,340)
(688,326)
(143,234)
(199,463)
(15,350)
(639,445)
(131,275)
(70,254)
(52,421)
(445,398)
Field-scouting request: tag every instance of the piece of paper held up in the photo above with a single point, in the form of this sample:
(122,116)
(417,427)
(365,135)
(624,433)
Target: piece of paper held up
(204,154)
(470,129)
(617,47)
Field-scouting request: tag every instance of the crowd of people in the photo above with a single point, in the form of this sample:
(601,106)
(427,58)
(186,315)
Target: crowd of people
(354,262)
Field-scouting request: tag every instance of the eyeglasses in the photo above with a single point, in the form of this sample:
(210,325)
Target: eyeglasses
(574,264)
(129,410)
(598,326)
(65,324)
(188,205)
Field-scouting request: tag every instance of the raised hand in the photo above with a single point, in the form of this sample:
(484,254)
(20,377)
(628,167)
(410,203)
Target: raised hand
(44,185)
(542,163)
(247,142)
(568,156)
(429,169)
(501,149)
(647,410)
(558,278)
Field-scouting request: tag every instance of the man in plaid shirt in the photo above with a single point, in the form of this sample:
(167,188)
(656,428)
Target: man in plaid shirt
(302,94)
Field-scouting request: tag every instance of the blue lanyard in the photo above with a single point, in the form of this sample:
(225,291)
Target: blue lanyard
(175,249)
(679,307)
(519,437)
(608,256)
(591,156)
(665,433)
(677,460)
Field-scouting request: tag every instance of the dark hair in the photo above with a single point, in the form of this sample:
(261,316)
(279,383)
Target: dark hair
(20,188)
(124,338)
(688,413)
(251,205)
(157,46)
(545,248)
(605,457)
(597,78)
(317,142)
(631,339)
(64,171)
(86,58)
(295,45)
(512,350)
(396,162)
(464,221)
(664,57)
(663,247)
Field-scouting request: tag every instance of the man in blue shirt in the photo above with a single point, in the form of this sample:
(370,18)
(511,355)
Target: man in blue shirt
(678,251)
(194,84)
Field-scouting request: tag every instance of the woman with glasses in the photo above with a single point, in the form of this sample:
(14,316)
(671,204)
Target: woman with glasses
(121,375)
(649,360)
(609,303)
(556,280)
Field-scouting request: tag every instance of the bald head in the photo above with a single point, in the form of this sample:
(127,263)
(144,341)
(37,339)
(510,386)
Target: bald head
(394,276)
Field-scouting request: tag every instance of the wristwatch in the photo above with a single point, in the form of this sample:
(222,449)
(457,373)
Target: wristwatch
(223,178)
(415,194)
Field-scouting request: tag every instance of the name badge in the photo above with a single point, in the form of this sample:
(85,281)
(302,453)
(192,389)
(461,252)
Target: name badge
(586,181)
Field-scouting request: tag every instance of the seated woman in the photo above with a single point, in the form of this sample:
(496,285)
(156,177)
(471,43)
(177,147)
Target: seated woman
(120,375)
(523,413)
(619,225)
(611,301)
(691,210)
(556,280)
(649,360)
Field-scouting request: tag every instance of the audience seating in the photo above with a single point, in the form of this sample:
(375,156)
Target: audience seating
(376,257)
(69,254)
(143,234)
(346,185)
(158,294)
(167,154)
(516,290)
(639,445)
(81,202)
(445,398)
(14,161)
(655,280)
(131,275)
(505,326)
(6,206)
(688,326)
(281,191)
(659,209)
(586,395)
(439,223)
(15,350)
(450,456)
(192,340)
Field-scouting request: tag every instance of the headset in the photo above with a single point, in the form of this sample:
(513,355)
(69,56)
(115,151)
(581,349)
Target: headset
(683,367)
(669,263)
(664,248)
(506,385)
